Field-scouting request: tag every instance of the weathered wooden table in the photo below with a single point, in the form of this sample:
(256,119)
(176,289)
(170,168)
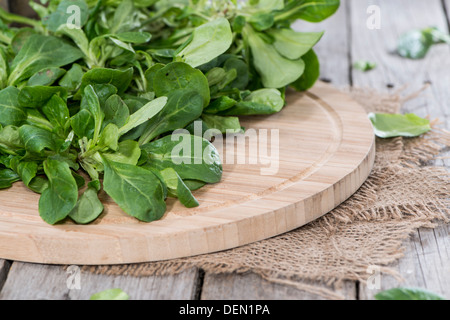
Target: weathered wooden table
(348,39)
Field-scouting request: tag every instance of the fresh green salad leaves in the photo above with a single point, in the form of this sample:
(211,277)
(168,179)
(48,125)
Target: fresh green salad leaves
(407,294)
(416,44)
(397,125)
(92,94)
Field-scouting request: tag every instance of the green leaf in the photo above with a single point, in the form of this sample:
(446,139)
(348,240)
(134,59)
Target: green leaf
(10,142)
(7,178)
(41,52)
(209,41)
(57,113)
(72,79)
(11,113)
(275,70)
(91,103)
(128,152)
(364,66)
(83,124)
(65,10)
(242,73)
(120,79)
(144,114)
(178,75)
(221,123)
(134,37)
(4,69)
(88,207)
(112,294)
(27,170)
(182,108)
(404,294)
(259,102)
(221,104)
(109,138)
(46,77)
(311,74)
(136,190)
(192,157)
(36,140)
(397,125)
(38,96)
(121,21)
(262,21)
(294,45)
(309,10)
(116,111)
(178,189)
(415,44)
(61,197)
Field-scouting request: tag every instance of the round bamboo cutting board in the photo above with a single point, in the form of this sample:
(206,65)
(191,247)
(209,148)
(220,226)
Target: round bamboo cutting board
(299,165)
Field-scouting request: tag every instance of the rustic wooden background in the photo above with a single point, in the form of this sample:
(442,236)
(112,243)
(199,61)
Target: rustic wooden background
(427,257)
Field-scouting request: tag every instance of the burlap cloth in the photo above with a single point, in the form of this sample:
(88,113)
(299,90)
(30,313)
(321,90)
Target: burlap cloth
(404,192)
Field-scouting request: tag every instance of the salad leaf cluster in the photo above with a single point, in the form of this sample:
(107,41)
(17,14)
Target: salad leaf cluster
(91,93)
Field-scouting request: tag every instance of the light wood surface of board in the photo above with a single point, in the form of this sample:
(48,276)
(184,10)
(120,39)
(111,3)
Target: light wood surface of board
(326,152)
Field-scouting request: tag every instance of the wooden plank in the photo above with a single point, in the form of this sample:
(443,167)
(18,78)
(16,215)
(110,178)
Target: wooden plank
(45,282)
(394,72)
(335,68)
(251,286)
(334,48)
(424,264)
(4,268)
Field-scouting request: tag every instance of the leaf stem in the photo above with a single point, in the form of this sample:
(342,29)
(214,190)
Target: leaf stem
(11,17)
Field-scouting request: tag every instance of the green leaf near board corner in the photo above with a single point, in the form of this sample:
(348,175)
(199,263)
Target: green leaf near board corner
(41,52)
(61,197)
(405,294)
(136,190)
(208,41)
(110,295)
(397,125)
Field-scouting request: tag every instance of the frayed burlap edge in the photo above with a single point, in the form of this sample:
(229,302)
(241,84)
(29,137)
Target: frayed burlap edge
(404,193)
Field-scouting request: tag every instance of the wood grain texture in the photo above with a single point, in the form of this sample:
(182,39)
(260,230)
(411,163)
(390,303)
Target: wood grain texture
(250,286)
(334,48)
(326,152)
(426,263)
(48,282)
